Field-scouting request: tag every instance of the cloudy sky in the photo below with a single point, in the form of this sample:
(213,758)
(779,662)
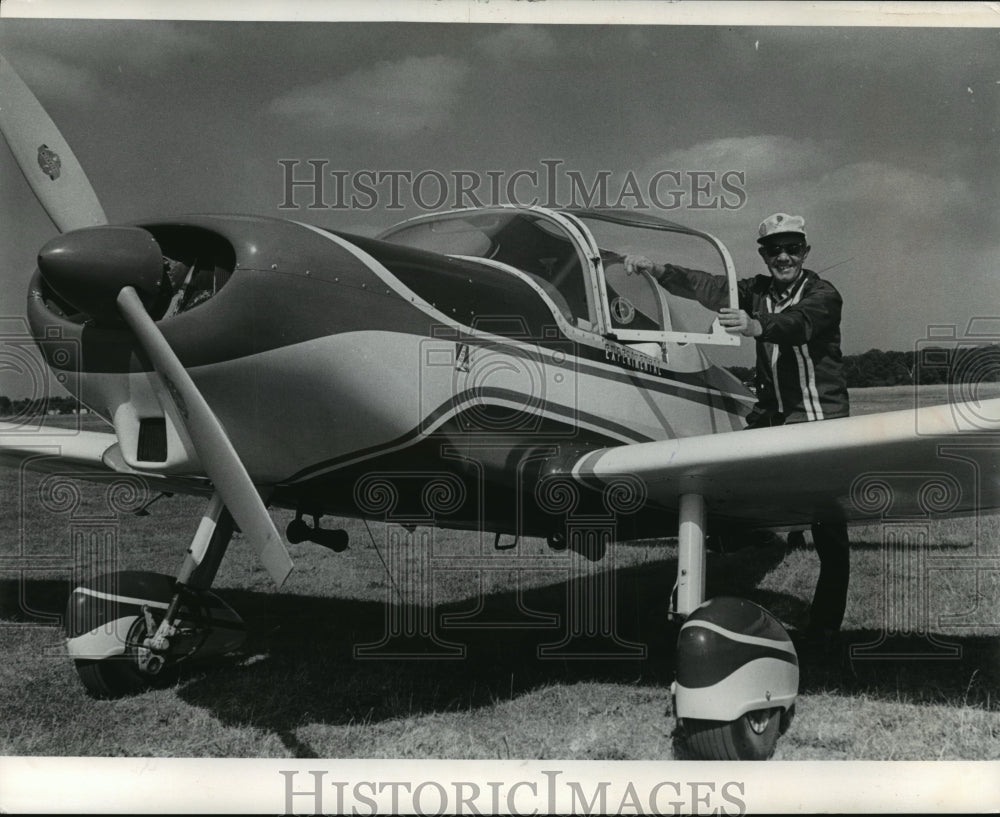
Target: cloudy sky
(884,139)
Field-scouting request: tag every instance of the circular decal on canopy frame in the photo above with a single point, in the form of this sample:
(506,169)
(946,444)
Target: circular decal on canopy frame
(622,311)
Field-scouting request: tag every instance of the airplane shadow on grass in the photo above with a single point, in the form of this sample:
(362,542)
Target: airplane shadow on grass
(310,673)
(313,659)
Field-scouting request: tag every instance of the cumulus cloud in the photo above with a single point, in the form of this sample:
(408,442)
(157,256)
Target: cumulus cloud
(51,78)
(519,44)
(155,44)
(874,200)
(124,42)
(783,173)
(765,157)
(885,184)
(52,66)
(391,98)
(360,228)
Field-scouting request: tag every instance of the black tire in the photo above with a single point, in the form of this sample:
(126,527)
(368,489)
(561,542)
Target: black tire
(751,737)
(785,721)
(120,675)
(109,678)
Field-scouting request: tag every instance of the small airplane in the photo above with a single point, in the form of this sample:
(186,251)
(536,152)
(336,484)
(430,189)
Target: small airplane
(503,352)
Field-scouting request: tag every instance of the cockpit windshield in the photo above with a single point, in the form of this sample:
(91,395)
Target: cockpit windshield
(532,242)
(576,259)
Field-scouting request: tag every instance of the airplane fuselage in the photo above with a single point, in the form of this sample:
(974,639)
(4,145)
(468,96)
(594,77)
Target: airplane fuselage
(339,364)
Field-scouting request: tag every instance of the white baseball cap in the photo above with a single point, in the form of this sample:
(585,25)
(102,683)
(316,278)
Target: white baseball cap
(781,223)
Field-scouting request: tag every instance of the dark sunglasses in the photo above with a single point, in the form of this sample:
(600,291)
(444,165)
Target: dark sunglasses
(774,250)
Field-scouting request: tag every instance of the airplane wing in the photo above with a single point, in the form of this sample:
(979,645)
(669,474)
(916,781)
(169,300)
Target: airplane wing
(914,463)
(83,455)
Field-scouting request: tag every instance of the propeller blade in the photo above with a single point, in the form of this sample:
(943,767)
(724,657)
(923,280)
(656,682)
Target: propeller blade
(218,457)
(45,158)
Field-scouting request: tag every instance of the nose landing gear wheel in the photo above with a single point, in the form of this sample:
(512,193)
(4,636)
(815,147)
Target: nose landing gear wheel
(751,737)
(123,675)
(110,623)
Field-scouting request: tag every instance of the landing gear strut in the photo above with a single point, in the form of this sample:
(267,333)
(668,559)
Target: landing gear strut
(737,671)
(131,630)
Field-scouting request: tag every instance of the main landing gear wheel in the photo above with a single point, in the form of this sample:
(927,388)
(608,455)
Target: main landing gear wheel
(737,679)
(132,672)
(751,737)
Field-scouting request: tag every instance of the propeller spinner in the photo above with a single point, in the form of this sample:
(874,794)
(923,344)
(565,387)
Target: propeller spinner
(88,268)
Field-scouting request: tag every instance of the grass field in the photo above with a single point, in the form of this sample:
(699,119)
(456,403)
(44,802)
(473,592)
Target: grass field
(298,688)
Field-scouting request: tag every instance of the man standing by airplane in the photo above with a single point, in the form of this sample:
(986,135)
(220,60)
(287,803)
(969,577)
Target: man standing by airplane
(794,317)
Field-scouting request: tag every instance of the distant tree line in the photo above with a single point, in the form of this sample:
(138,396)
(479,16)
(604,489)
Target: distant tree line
(31,407)
(926,366)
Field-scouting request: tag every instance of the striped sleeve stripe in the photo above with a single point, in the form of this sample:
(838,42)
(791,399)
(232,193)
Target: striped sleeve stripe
(775,350)
(811,379)
(807,383)
(807,373)
(807,370)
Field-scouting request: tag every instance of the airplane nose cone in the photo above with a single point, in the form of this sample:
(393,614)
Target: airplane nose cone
(88,268)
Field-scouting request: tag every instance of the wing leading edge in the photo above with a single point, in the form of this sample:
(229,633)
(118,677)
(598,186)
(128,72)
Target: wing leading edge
(86,455)
(914,463)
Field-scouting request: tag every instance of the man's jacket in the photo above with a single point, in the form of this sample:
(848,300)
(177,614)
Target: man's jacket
(800,373)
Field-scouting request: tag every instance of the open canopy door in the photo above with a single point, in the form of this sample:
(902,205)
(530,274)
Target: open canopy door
(636,308)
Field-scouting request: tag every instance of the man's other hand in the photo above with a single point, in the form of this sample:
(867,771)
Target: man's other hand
(738,322)
(634,264)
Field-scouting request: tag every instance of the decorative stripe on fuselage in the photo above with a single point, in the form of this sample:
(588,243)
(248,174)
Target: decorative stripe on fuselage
(616,432)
